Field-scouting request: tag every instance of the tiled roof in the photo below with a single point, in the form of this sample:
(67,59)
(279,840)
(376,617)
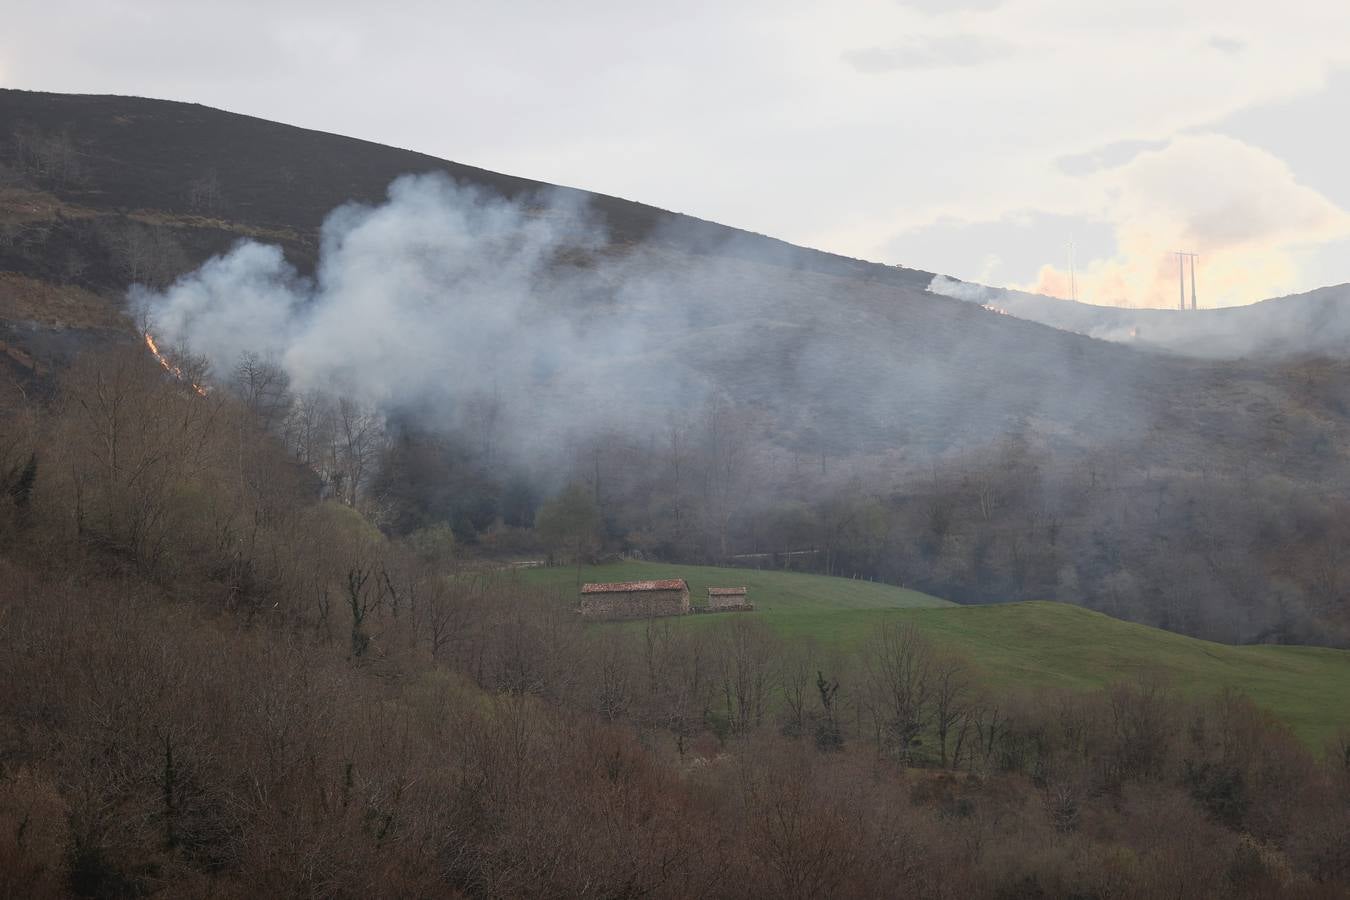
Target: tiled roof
(727,592)
(625,587)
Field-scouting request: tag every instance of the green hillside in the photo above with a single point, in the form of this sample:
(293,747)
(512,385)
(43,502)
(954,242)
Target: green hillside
(1035,644)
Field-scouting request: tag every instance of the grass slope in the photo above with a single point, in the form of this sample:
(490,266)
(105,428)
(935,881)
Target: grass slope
(1024,645)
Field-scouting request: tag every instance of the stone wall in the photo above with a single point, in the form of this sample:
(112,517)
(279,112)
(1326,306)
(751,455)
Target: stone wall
(634,604)
(725,600)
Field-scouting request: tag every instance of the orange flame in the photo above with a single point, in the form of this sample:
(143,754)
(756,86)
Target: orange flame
(169,367)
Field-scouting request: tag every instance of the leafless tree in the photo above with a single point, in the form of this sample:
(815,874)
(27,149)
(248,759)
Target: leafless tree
(145,254)
(952,694)
(131,436)
(900,688)
(358,439)
(796,677)
(726,459)
(204,194)
(263,387)
(51,158)
(745,654)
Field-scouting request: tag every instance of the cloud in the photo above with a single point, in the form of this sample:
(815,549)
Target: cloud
(1239,207)
(943,51)
(1011,248)
(951,6)
(1108,156)
(1231,46)
(719,111)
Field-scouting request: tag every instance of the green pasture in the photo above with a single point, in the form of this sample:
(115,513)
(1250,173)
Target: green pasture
(1032,644)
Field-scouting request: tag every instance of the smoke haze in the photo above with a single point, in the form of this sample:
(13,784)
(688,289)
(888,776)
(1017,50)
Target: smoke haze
(438,296)
(444,302)
(770,405)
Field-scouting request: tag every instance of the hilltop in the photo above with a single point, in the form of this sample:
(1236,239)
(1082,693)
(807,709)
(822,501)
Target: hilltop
(1315,323)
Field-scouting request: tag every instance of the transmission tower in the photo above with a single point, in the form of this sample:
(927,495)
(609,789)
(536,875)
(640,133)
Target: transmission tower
(1182,256)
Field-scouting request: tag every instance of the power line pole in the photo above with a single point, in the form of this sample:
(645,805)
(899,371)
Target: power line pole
(1181,277)
(1182,256)
(1194,302)
(1073,275)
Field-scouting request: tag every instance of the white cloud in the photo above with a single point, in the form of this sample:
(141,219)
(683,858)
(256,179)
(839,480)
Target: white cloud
(743,112)
(1227,44)
(936,52)
(1239,207)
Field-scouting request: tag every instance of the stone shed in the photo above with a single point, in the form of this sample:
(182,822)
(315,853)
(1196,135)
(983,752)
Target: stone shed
(729,599)
(635,599)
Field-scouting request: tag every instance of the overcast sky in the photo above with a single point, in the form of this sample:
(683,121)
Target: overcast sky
(978,138)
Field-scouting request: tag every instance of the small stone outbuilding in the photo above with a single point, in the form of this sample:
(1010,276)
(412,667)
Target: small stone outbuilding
(635,599)
(729,599)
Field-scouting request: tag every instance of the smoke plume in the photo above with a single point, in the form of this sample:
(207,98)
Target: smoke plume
(435,298)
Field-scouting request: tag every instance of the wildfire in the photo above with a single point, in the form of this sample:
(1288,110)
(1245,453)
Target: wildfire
(995,309)
(169,367)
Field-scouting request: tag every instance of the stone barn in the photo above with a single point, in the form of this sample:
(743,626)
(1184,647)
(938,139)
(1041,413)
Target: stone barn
(635,599)
(729,599)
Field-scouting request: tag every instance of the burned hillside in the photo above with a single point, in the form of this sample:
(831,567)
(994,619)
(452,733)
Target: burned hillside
(717,392)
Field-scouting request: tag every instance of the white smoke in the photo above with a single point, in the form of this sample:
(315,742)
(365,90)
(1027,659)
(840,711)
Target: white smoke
(962,290)
(444,302)
(438,296)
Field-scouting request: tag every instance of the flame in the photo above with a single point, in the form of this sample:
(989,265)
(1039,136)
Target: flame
(169,367)
(995,309)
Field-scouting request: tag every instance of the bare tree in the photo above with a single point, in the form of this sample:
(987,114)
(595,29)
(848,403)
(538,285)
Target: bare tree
(204,194)
(131,436)
(50,158)
(484,412)
(726,460)
(796,671)
(745,651)
(899,671)
(263,387)
(145,254)
(358,439)
(613,674)
(952,690)
(308,430)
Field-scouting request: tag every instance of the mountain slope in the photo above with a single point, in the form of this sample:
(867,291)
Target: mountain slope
(914,437)
(106,191)
(208,168)
(1299,325)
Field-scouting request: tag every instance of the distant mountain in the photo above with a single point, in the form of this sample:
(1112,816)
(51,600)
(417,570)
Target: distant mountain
(1316,323)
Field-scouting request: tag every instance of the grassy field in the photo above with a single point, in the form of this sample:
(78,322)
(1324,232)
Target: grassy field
(773,592)
(1035,644)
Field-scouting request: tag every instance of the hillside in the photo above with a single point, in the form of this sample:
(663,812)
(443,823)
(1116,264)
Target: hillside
(267,456)
(1316,323)
(720,392)
(1029,645)
(107,191)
